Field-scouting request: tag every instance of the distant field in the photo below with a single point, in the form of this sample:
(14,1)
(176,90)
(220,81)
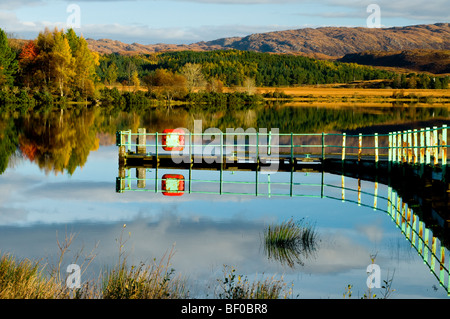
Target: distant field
(333,92)
(352,92)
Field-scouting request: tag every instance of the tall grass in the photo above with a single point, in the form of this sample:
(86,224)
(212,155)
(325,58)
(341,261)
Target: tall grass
(154,281)
(235,286)
(28,279)
(24,279)
(290,242)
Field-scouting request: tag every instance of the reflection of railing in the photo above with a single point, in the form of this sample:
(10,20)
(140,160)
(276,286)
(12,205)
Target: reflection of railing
(418,234)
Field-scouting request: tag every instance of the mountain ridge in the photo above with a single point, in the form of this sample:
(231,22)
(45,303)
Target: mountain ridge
(323,42)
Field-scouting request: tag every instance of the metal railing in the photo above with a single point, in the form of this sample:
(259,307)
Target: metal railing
(426,146)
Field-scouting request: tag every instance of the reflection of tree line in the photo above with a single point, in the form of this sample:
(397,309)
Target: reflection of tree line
(61,141)
(55,141)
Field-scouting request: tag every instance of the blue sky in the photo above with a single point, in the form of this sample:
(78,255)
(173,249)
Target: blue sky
(188,21)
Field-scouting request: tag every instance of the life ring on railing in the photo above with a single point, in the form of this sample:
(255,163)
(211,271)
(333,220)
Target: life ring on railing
(173,140)
(172,185)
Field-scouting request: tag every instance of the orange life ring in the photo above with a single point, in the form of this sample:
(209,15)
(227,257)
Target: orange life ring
(172,185)
(173,140)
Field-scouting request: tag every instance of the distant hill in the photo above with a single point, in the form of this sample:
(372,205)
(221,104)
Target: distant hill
(324,42)
(433,61)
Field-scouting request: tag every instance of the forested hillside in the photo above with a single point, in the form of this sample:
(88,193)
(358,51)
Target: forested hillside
(234,67)
(433,61)
(58,66)
(237,68)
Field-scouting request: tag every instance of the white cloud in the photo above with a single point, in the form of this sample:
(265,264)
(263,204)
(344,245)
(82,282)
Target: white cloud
(14,4)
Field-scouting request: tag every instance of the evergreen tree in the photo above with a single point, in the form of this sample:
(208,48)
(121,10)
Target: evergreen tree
(8,62)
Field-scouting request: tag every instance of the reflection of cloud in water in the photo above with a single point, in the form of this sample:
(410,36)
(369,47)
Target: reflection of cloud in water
(204,244)
(201,243)
(374,232)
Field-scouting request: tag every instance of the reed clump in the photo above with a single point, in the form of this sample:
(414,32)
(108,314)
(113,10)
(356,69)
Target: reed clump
(290,242)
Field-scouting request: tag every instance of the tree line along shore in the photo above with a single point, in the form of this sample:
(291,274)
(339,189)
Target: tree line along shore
(59,68)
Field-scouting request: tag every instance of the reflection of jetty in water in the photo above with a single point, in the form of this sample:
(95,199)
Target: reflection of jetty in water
(412,164)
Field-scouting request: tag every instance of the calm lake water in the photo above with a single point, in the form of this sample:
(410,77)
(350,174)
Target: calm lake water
(60,177)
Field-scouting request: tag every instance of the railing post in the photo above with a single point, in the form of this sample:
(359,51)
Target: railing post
(376,150)
(444,152)
(269,143)
(390,149)
(415,146)
(427,146)
(426,247)
(410,150)
(359,146)
(442,266)
(323,146)
(433,253)
(420,244)
(393,205)
(343,147)
(375,196)
(435,145)
(221,149)
(292,148)
(394,147)
(404,147)
(399,147)
(121,144)
(129,140)
(257,148)
(422,151)
(359,191)
(156,148)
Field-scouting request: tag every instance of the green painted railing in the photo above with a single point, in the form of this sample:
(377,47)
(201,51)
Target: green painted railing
(427,146)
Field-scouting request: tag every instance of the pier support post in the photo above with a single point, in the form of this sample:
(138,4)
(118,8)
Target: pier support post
(141,141)
(140,175)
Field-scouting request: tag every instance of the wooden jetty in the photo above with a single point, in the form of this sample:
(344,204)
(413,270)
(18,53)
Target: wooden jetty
(421,152)
(413,164)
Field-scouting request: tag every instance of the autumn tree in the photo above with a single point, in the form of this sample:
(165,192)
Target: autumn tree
(8,62)
(135,80)
(44,44)
(170,84)
(249,85)
(194,76)
(27,63)
(62,62)
(84,64)
(215,85)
